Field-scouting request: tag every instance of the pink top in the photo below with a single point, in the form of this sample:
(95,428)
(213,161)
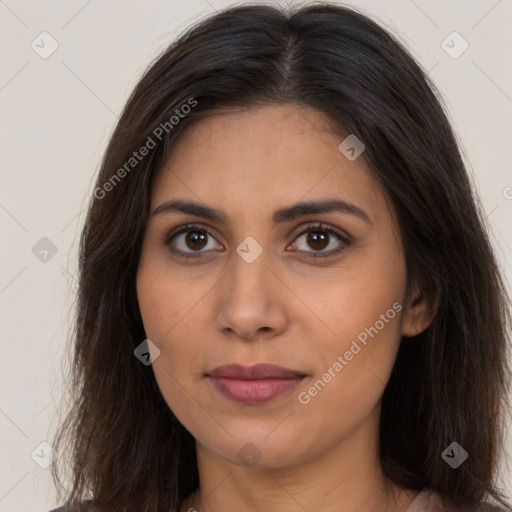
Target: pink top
(430,501)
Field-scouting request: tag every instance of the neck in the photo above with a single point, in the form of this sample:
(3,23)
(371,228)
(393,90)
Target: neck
(345,478)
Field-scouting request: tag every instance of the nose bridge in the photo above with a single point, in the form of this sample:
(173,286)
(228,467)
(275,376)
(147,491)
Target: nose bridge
(249,271)
(248,304)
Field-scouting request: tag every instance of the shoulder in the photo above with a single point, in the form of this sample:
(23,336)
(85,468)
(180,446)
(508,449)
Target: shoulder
(430,501)
(86,506)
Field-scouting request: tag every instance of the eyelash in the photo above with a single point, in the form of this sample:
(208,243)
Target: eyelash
(312,227)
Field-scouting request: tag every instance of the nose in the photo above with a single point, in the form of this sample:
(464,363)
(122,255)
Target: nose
(252,301)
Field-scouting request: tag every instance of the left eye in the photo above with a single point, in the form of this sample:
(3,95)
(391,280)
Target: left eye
(194,238)
(320,238)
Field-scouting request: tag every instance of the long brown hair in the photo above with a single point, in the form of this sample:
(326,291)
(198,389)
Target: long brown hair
(126,449)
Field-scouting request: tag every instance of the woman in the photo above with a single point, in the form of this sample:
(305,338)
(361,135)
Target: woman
(288,300)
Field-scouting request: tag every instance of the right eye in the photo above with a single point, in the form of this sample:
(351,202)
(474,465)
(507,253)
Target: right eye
(190,240)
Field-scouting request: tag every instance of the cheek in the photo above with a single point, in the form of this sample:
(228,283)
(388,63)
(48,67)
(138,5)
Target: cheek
(364,315)
(164,304)
(172,315)
(353,370)
(163,296)
(364,302)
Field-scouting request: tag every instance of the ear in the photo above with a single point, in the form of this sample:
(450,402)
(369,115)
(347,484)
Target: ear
(420,310)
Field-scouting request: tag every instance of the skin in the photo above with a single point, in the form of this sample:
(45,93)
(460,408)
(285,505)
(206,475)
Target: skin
(286,308)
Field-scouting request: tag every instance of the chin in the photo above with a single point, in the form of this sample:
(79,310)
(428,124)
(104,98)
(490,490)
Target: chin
(261,451)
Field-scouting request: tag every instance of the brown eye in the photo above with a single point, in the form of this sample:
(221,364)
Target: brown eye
(319,238)
(189,240)
(196,240)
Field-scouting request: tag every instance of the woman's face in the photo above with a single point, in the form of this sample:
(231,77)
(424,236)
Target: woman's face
(265,284)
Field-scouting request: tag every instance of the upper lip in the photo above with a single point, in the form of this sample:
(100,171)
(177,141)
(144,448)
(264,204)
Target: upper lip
(257,371)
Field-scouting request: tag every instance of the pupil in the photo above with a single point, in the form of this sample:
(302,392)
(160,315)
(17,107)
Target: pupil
(316,238)
(196,237)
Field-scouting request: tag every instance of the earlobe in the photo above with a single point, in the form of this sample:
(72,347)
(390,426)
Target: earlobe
(419,313)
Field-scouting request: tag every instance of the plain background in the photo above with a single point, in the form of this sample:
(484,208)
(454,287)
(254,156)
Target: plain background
(57,114)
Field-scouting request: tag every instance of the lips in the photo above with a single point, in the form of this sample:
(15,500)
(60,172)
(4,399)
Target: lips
(254,384)
(258,371)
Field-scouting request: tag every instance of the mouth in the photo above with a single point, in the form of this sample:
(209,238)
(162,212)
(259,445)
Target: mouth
(254,384)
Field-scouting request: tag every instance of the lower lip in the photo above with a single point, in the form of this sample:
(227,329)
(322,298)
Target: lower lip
(254,391)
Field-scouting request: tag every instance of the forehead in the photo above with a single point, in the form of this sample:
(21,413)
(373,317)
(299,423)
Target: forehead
(264,157)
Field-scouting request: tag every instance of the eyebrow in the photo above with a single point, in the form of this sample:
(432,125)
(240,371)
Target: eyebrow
(279,216)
